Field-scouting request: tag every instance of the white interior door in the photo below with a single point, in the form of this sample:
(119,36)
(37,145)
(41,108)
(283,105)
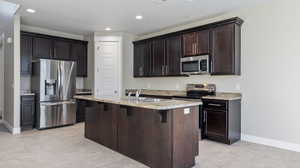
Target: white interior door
(107,67)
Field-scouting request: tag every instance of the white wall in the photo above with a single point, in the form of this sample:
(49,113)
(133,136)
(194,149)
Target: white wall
(270,71)
(1,74)
(11,29)
(89,81)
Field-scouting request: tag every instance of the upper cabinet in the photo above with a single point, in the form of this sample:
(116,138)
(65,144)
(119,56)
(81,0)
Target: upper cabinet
(173,55)
(26,54)
(158,57)
(225,50)
(79,54)
(61,50)
(142,53)
(42,48)
(196,43)
(37,46)
(220,40)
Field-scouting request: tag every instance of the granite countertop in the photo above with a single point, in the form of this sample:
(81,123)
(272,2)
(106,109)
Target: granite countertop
(164,104)
(224,96)
(182,93)
(167,93)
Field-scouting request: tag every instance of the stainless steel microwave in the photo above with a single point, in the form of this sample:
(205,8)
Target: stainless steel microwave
(195,65)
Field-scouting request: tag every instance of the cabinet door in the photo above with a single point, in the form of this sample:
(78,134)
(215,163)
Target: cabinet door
(202,42)
(222,50)
(216,125)
(158,58)
(26,54)
(143,136)
(189,44)
(142,52)
(173,55)
(80,111)
(61,50)
(92,116)
(108,125)
(79,53)
(42,48)
(27,112)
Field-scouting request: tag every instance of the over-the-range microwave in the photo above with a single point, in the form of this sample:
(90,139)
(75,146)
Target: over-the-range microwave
(195,65)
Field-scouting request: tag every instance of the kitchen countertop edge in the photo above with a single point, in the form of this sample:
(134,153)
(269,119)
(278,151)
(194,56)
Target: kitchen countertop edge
(146,105)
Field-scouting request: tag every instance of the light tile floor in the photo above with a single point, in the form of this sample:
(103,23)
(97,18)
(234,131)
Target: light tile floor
(67,148)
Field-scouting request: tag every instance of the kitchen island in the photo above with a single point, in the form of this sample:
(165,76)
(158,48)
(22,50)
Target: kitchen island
(159,133)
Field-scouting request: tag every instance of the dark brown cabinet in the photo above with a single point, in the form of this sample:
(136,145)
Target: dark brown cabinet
(225,50)
(189,44)
(26,55)
(156,138)
(196,43)
(222,120)
(27,112)
(144,127)
(173,55)
(37,46)
(142,54)
(42,48)
(101,124)
(220,40)
(202,46)
(158,57)
(79,53)
(61,50)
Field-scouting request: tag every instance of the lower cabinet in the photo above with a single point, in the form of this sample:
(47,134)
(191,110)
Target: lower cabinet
(101,124)
(27,112)
(222,120)
(158,139)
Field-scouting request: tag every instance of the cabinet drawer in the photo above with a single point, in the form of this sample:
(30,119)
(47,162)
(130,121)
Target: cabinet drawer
(215,105)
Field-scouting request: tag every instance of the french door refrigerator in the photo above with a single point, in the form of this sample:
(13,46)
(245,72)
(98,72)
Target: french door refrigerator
(54,83)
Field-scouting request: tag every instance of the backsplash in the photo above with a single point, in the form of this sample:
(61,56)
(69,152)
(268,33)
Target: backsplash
(25,83)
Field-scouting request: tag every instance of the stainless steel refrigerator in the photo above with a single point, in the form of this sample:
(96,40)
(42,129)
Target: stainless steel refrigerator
(54,83)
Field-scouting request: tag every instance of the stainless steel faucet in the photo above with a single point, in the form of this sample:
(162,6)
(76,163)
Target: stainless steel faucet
(137,93)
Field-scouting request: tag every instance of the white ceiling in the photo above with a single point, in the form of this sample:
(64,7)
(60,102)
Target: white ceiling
(85,16)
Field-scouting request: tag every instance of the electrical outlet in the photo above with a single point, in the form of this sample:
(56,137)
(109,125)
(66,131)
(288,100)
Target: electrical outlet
(148,86)
(177,86)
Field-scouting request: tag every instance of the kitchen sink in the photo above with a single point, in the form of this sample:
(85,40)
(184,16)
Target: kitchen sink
(145,99)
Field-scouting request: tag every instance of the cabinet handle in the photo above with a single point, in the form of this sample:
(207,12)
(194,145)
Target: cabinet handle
(216,105)
(163,70)
(204,116)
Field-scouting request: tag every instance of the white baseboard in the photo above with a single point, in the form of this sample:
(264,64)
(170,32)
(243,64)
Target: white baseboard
(271,142)
(11,129)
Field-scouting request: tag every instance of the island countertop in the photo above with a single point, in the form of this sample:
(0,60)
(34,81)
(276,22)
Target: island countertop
(163,104)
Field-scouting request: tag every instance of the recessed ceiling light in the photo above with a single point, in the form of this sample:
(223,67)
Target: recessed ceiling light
(30,10)
(108,29)
(139,17)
